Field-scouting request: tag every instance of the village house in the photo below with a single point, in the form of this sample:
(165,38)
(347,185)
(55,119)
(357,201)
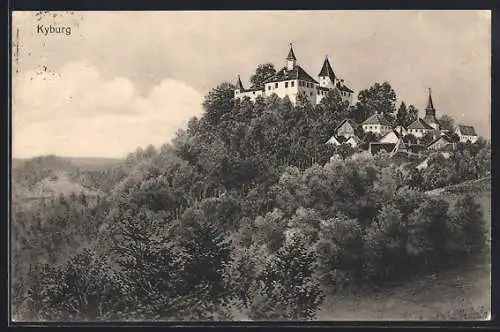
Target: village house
(391,137)
(354,141)
(346,128)
(466,133)
(333,140)
(292,80)
(441,143)
(419,128)
(376,124)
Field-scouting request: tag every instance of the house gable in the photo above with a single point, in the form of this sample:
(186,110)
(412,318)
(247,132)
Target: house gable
(346,128)
(390,137)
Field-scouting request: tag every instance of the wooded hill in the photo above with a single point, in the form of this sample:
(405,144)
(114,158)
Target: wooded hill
(242,214)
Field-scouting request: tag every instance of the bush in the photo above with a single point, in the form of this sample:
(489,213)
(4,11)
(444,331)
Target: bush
(287,289)
(84,288)
(339,251)
(467,227)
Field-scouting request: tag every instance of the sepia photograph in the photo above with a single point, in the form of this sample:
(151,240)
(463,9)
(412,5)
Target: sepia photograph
(325,165)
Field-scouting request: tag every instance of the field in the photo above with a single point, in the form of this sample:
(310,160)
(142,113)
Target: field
(445,295)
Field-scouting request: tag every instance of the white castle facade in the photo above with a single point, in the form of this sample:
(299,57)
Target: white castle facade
(292,80)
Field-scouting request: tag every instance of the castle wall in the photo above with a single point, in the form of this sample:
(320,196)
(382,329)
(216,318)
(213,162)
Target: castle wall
(309,90)
(251,94)
(282,89)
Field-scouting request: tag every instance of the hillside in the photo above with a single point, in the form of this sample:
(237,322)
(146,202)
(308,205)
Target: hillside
(247,209)
(51,176)
(81,162)
(450,293)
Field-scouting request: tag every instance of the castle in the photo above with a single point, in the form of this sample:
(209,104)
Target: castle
(292,80)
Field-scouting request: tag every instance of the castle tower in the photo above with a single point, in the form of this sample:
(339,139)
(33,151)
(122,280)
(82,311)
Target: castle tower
(291,60)
(326,75)
(430,114)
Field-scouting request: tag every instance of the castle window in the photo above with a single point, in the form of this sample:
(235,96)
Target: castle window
(311,93)
(286,84)
(253,92)
(293,84)
(269,87)
(275,85)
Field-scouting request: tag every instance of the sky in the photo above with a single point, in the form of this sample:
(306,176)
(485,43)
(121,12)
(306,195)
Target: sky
(126,79)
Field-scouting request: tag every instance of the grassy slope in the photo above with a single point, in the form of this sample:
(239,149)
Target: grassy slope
(425,297)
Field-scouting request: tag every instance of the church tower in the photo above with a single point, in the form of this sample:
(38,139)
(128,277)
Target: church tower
(430,114)
(239,85)
(326,75)
(291,60)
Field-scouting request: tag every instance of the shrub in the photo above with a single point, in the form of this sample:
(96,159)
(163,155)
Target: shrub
(287,289)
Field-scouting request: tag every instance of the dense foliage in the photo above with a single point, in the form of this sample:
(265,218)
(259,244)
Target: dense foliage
(244,214)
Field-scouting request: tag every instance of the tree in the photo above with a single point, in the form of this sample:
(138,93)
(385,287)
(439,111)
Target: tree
(370,137)
(345,150)
(468,223)
(447,122)
(427,138)
(384,243)
(84,288)
(402,115)
(270,230)
(153,266)
(218,102)
(262,73)
(378,98)
(412,114)
(339,251)
(428,231)
(307,221)
(287,289)
(455,138)
(209,251)
(410,139)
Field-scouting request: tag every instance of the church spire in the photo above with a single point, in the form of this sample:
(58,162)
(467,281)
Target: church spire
(239,85)
(430,105)
(430,114)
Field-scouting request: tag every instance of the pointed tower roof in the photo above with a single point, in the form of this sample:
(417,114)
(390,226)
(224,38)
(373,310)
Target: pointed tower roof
(430,105)
(239,85)
(327,70)
(291,55)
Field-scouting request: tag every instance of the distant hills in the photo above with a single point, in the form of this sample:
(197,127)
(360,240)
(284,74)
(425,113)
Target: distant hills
(81,162)
(51,176)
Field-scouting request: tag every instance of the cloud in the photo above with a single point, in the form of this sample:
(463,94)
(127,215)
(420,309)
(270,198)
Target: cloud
(77,112)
